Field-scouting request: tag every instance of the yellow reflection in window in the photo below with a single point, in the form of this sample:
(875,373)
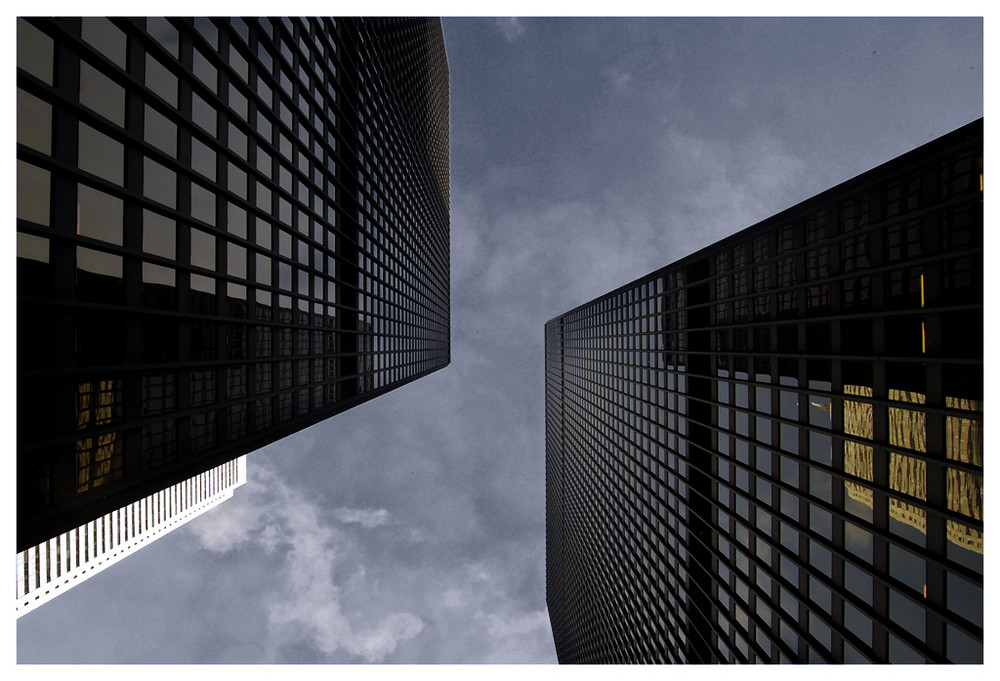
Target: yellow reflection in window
(908,428)
(964,443)
(908,514)
(858,421)
(860,493)
(96,406)
(964,436)
(962,535)
(908,475)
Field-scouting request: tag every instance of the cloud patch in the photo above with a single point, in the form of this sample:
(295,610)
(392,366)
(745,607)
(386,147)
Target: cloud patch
(309,594)
(511,28)
(367,518)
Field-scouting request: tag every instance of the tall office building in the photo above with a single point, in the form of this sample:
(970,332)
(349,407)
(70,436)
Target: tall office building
(227,230)
(56,565)
(772,449)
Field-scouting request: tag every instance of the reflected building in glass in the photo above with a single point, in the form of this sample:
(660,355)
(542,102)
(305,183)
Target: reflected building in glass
(772,449)
(227,230)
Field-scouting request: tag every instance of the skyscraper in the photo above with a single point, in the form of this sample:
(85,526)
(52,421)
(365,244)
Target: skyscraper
(58,564)
(771,450)
(228,230)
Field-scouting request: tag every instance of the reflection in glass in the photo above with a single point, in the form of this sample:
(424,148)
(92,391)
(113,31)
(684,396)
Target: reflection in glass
(33,186)
(105,37)
(34,51)
(98,262)
(158,235)
(164,33)
(202,250)
(98,457)
(964,437)
(202,204)
(202,158)
(159,183)
(99,215)
(31,247)
(101,155)
(161,81)
(204,71)
(159,131)
(34,122)
(101,94)
(203,114)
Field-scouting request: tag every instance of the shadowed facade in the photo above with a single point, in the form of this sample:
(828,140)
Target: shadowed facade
(772,449)
(227,230)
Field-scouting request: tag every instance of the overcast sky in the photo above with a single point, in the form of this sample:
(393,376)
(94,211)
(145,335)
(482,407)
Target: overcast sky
(584,154)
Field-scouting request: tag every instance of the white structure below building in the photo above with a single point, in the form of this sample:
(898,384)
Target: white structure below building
(51,568)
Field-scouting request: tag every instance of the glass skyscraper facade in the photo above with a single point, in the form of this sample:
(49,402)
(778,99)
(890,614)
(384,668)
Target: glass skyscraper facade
(227,230)
(772,449)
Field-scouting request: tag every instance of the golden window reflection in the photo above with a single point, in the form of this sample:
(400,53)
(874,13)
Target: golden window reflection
(964,536)
(858,421)
(97,458)
(964,489)
(907,427)
(908,514)
(964,436)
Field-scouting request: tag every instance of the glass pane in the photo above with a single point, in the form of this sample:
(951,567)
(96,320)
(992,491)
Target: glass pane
(237,102)
(204,71)
(105,37)
(236,261)
(965,598)
(160,80)
(908,568)
(98,262)
(157,274)
(158,235)
(263,271)
(202,249)
(33,187)
(34,122)
(31,247)
(34,51)
(202,158)
(160,131)
(236,223)
(159,183)
(164,33)
(101,155)
(99,216)
(237,141)
(263,233)
(237,182)
(101,94)
(203,114)
(202,204)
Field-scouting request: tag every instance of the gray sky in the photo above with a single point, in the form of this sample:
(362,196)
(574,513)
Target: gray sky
(584,154)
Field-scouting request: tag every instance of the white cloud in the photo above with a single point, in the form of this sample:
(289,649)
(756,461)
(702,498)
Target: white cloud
(309,592)
(367,518)
(619,79)
(511,28)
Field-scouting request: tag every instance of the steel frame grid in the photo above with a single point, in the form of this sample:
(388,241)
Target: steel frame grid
(772,633)
(317,253)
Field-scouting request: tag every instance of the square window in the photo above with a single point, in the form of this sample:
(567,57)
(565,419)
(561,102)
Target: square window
(33,191)
(101,155)
(160,80)
(99,215)
(34,122)
(101,94)
(159,183)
